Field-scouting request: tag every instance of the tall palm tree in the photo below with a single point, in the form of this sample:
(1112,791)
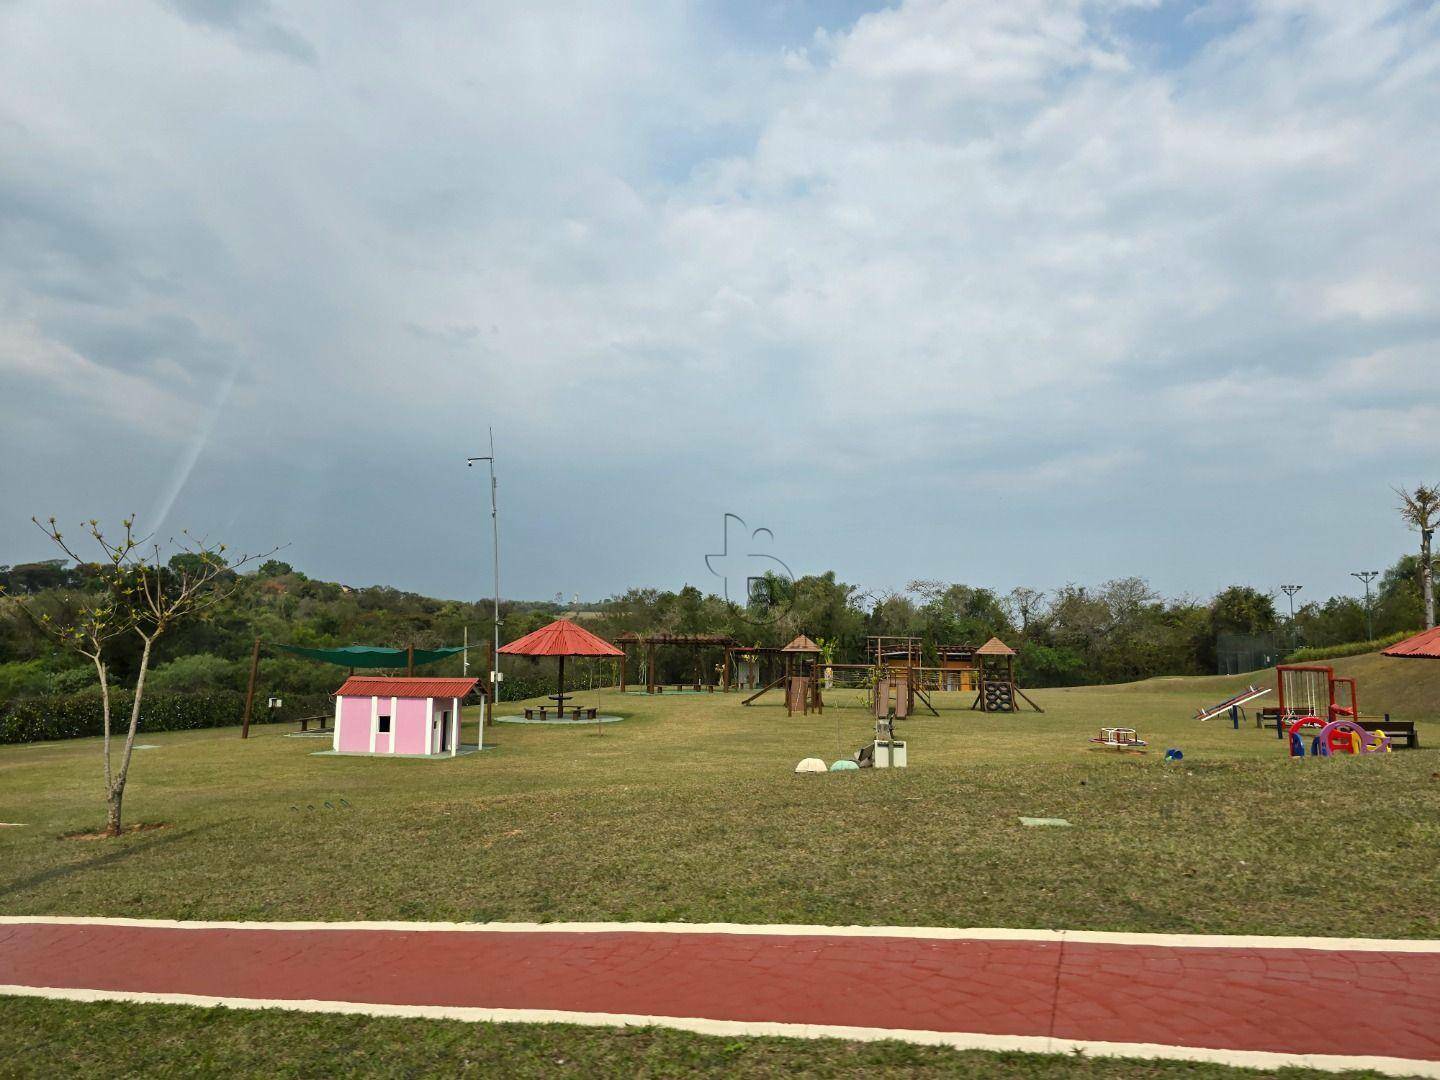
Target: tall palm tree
(1421,510)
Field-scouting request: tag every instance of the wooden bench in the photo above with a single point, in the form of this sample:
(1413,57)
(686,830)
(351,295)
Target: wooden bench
(1396,729)
(305,722)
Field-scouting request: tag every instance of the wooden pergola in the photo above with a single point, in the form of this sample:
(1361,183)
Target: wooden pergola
(698,642)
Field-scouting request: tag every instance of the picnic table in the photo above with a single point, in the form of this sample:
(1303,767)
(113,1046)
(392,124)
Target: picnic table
(577,712)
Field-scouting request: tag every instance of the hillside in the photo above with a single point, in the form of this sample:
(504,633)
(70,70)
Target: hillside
(1406,689)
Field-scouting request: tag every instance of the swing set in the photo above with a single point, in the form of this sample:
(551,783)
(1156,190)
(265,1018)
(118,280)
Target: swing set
(1309,701)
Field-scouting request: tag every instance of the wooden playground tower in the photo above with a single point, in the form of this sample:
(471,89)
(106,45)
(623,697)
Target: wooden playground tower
(998,691)
(901,660)
(959,668)
(801,677)
(698,642)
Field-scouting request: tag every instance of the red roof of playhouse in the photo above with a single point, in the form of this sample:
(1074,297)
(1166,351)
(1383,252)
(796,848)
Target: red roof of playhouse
(1426,644)
(560,638)
(399,686)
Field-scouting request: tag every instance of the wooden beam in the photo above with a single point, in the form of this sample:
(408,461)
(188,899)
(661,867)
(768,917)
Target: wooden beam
(765,689)
(250,690)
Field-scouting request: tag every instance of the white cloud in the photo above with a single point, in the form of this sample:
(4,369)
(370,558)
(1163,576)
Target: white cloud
(992,233)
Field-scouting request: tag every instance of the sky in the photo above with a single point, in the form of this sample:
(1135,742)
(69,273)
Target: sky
(998,292)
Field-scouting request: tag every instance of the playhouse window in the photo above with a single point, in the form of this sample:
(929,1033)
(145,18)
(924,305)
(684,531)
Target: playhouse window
(384,728)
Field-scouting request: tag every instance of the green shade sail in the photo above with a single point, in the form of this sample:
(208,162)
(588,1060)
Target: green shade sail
(372,656)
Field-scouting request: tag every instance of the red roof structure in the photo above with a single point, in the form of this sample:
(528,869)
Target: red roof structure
(397,686)
(560,638)
(994,647)
(1425,645)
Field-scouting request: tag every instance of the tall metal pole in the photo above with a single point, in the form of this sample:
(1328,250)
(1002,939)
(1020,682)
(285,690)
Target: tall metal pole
(1290,591)
(465,654)
(495,537)
(1367,576)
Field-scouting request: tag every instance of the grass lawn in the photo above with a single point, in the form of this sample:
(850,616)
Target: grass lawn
(55,1038)
(689,810)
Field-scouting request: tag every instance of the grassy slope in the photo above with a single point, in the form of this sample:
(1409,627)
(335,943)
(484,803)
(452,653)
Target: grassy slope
(688,810)
(1406,689)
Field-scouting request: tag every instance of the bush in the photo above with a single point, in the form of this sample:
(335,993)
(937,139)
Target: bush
(1349,648)
(22,678)
(75,716)
(194,674)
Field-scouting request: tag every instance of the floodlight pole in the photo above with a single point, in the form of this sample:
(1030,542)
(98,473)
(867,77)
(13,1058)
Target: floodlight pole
(1367,576)
(1290,591)
(495,536)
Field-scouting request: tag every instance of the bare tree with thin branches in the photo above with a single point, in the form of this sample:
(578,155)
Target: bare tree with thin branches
(138,594)
(1421,510)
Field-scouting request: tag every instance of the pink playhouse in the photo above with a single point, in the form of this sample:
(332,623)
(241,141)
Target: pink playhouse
(409,717)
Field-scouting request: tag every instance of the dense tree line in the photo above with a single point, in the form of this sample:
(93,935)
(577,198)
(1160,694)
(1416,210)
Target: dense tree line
(1119,631)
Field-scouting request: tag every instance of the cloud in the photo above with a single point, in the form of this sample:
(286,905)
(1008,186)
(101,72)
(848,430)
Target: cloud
(249,22)
(1092,247)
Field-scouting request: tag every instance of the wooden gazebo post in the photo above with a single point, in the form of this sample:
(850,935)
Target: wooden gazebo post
(650,672)
(560,689)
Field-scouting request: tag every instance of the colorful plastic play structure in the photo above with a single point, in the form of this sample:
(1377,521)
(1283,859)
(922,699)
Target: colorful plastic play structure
(1309,699)
(1336,737)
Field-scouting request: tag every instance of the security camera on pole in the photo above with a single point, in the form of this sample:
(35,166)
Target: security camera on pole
(495,531)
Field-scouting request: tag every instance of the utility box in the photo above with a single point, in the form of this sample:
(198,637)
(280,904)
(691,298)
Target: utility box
(890,754)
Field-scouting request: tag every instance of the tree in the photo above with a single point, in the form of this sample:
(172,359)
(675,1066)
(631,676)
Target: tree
(1243,610)
(1421,511)
(140,597)
(1026,607)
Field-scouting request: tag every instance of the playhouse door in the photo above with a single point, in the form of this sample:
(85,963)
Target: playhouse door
(444,731)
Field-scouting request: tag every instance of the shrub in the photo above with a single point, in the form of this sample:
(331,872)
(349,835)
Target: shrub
(193,674)
(1349,648)
(74,716)
(21,678)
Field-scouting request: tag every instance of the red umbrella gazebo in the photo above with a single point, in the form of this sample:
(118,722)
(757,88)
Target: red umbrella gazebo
(560,639)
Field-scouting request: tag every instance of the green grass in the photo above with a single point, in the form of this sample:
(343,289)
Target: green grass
(688,810)
(55,1038)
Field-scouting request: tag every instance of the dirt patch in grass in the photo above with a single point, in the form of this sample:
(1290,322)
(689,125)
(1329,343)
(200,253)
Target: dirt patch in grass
(138,827)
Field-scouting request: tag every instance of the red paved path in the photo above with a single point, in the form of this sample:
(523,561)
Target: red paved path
(1387,1003)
